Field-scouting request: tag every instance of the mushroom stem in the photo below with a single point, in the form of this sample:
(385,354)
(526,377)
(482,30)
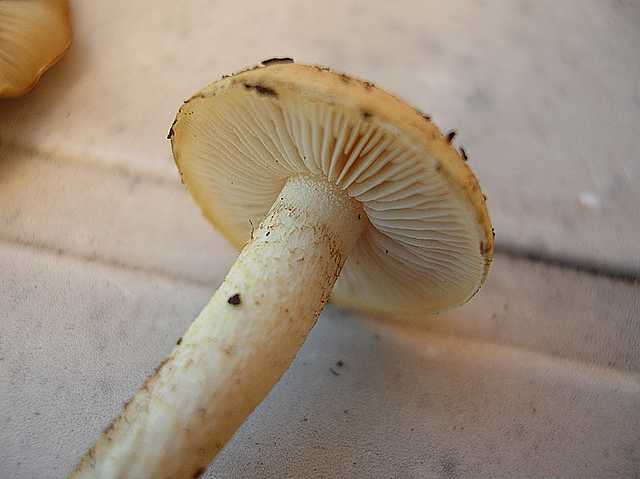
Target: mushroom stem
(240,344)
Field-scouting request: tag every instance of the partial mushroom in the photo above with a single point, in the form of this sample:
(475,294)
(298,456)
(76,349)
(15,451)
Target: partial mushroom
(33,36)
(357,196)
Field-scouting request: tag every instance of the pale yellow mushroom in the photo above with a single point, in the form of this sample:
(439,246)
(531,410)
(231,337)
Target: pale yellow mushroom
(356,194)
(33,36)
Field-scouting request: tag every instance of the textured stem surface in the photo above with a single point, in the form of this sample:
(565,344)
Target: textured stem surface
(240,344)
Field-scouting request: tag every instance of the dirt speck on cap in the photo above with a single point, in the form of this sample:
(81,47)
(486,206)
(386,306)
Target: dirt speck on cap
(451,135)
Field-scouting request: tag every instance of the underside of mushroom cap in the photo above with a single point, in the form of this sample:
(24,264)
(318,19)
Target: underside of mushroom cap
(33,36)
(429,242)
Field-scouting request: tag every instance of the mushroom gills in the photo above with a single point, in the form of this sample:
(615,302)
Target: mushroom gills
(259,141)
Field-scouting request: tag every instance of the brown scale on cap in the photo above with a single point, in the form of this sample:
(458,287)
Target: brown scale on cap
(200,471)
(276,61)
(171,132)
(261,89)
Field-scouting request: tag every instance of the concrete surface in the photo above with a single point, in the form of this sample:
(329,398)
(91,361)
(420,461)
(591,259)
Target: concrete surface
(107,215)
(507,386)
(104,259)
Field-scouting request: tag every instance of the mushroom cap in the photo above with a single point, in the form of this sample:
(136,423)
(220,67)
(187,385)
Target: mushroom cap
(428,243)
(33,36)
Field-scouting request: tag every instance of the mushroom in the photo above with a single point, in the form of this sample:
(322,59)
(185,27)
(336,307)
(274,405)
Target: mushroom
(33,36)
(357,196)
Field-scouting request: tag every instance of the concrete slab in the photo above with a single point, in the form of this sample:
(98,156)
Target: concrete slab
(554,311)
(75,340)
(547,387)
(110,216)
(544,94)
(423,406)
